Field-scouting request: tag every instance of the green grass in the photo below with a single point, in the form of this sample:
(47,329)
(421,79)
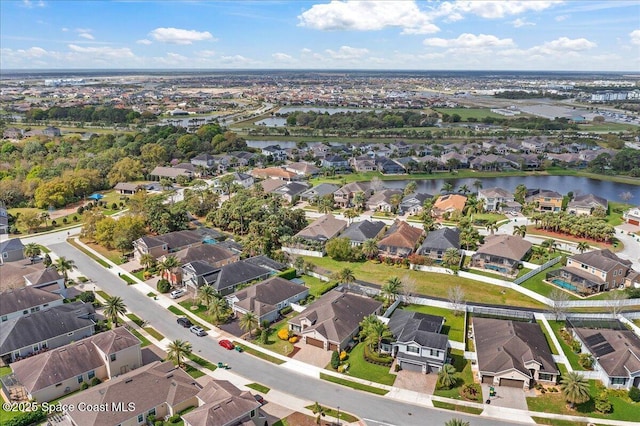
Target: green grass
(281,422)
(114,256)
(537,284)
(143,340)
(202,362)
(460,408)
(554,351)
(152,331)
(178,312)
(353,385)
(430,284)
(360,368)
(136,319)
(88,253)
(139,275)
(274,343)
(260,354)
(329,412)
(314,284)
(193,372)
(128,279)
(466,113)
(489,217)
(464,375)
(572,357)
(258,387)
(103,294)
(616,209)
(555,422)
(453,325)
(4,370)
(151,294)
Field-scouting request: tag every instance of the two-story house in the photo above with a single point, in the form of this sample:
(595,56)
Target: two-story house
(206,161)
(495,198)
(26,300)
(11,250)
(275,152)
(632,216)
(413,204)
(545,200)
(161,245)
(221,403)
(343,197)
(384,200)
(438,242)
(359,232)
(400,240)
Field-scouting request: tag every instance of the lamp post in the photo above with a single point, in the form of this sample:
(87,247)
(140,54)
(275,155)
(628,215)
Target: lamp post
(338,417)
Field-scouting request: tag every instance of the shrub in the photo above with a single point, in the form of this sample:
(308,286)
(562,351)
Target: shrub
(75,218)
(87,297)
(586,361)
(286,310)
(327,287)
(335,360)
(634,394)
(174,419)
(80,210)
(54,223)
(602,404)
(264,336)
(575,345)
(27,418)
(288,274)
(65,220)
(293,339)
(114,206)
(147,275)
(84,385)
(343,355)
(397,368)
(283,334)
(95,381)
(164,286)
(471,391)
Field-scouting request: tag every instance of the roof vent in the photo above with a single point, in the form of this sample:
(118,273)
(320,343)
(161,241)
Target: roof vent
(128,381)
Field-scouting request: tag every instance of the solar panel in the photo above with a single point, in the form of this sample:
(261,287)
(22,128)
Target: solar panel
(603,350)
(595,339)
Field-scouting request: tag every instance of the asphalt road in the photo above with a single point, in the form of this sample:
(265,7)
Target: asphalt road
(376,409)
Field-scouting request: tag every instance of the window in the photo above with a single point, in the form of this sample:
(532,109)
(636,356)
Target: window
(413,349)
(545,376)
(140,418)
(619,380)
(35,348)
(151,412)
(80,379)
(112,357)
(253,413)
(91,374)
(25,312)
(4,318)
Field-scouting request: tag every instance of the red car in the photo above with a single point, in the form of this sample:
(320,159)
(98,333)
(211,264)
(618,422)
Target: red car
(226,344)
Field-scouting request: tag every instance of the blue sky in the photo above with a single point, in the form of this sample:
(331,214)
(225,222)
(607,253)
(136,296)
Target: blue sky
(322,34)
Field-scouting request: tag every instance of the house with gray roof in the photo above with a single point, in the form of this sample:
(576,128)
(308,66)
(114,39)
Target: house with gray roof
(359,232)
(303,169)
(332,321)
(382,200)
(48,279)
(419,344)
(413,204)
(317,192)
(587,204)
(291,191)
(57,372)
(224,279)
(267,298)
(494,198)
(438,242)
(26,300)
(513,353)
(171,242)
(501,254)
(343,197)
(4,219)
(11,250)
(45,329)
(222,404)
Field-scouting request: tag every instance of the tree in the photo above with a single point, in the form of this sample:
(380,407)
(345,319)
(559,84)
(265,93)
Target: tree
(350,214)
(345,276)
(370,248)
(325,205)
(520,193)
(451,257)
(560,305)
(477,184)
(64,265)
(492,227)
(319,409)
(391,289)
(456,422)
(206,294)
(410,188)
(114,308)
(575,388)
(125,170)
(520,230)
(373,331)
(178,350)
(30,219)
(148,261)
(167,266)
(248,322)
(446,187)
(339,249)
(583,246)
(446,376)
(32,250)
(47,260)
(455,295)
(219,310)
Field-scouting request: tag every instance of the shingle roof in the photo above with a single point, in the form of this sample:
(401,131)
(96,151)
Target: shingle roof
(223,404)
(323,228)
(507,246)
(11,244)
(210,253)
(320,190)
(502,345)
(44,276)
(24,298)
(450,202)
(605,260)
(236,273)
(265,262)
(424,329)
(624,355)
(495,192)
(362,231)
(401,234)
(588,201)
(264,296)
(442,239)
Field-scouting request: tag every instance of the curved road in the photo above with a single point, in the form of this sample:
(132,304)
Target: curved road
(376,409)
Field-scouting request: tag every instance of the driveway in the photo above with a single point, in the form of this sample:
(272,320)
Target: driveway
(506,397)
(415,381)
(312,355)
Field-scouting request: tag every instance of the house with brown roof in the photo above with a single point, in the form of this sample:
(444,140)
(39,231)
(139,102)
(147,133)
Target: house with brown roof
(159,389)
(343,197)
(322,229)
(161,245)
(267,298)
(57,372)
(400,240)
(303,169)
(615,352)
(495,198)
(587,204)
(48,279)
(127,188)
(332,321)
(594,272)
(544,200)
(274,173)
(513,353)
(501,254)
(171,173)
(449,203)
(220,403)
(23,301)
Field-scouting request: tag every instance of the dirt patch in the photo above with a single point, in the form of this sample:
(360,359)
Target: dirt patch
(293,353)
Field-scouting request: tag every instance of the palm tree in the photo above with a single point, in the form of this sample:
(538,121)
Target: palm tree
(370,248)
(248,322)
(520,230)
(218,310)
(167,265)
(456,422)
(63,266)
(582,246)
(446,377)
(575,388)
(177,350)
(350,214)
(346,276)
(374,332)
(446,187)
(325,205)
(391,289)
(451,257)
(477,184)
(319,411)
(45,216)
(464,189)
(410,188)
(395,201)
(358,200)
(147,260)
(206,294)
(492,227)
(32,250)
(115,307)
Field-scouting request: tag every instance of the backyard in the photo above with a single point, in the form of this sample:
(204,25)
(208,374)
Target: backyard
(453,324)
(568,351)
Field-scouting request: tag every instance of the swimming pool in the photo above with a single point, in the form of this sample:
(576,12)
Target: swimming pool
(564,284)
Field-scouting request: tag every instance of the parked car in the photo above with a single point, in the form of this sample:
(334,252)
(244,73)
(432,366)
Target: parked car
(259,398)
(184,321)
(198,331)
(177,293)
(226,344)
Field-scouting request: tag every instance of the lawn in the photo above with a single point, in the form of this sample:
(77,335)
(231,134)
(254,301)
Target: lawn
(348,418)
(353,385)
(488,217)
(4,370)
(537,284)
(259,354)
(73,242)
(464,375)
(202,362)
(258,387)
(460,408)
(193,372)
(178,312)
(615,212)
(315,285)
(453,325)
(152,331)
(103,294)
(274,343)
(532,230)
(623,408)
(360,368)
(466,113)
(555,422)
(430,284)
(569,353)
(113,255)
(136,319)
(143,340)
(553,348)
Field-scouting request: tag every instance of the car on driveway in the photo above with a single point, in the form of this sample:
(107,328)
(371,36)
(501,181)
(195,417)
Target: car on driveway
(226,344)
(177,293)
(259,398)
(184,321)
(198,331)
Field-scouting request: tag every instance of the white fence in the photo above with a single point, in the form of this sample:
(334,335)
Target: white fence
(536,269)
(302,252)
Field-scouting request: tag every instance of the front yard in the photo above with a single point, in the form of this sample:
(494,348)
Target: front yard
(274,343)
(360,368)
(453,325)
(463,375)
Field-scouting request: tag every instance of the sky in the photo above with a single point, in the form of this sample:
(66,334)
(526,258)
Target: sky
(322,34)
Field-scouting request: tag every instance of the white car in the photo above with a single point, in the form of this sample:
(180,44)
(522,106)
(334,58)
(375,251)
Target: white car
(198,331)
(177,293)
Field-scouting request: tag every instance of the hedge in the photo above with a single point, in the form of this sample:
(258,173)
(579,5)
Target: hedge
(288,274)
(327,287)
(27,418)
(375,358)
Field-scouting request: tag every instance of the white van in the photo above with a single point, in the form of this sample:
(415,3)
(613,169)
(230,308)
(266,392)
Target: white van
(177,293)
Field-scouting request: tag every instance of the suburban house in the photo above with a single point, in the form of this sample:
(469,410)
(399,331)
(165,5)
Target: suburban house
(343,197)
(332,321)
(4,220)
(449,203)
(501,253)
(205,161)
(51,131)
(211,254)
(46,329)
(303,169)
(274,173)
(316,193)
(267,298)
(513,353)
(128,188)
(419,343)
(11,250)
(383,200)
(495,198)
(161,245)
(632,216)
(388,166)
(173,391)
(544,200)
(439,241)
(587,204)
(242,179)
(291,191)
(364,165)
(414,203)
(275,152)
(172,173)
(322,229)
(224,279)
(615,352)
(593,272)
(359,232)
(57,372)
(220,403)
(336,162)
(400,240)
(26,300)
(48,279)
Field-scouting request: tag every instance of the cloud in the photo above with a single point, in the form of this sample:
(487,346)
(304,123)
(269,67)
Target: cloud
(206,53)
(282,57)
(144,41)
(522,23)
(469,41)
(561,18)
(635,37)
(103,52)
(180,36)
(368,16)
(347,53)
(64,29)
(565,44)
(492,9)
(30,4)
(86,35)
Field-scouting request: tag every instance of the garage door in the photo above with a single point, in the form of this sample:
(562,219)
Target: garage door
(512,383)
(333,347)
(634,222)
(315,342)
(410,367)
(487,379)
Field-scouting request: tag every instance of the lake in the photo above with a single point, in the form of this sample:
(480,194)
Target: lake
(283,144)
(562,184)
(287,110)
